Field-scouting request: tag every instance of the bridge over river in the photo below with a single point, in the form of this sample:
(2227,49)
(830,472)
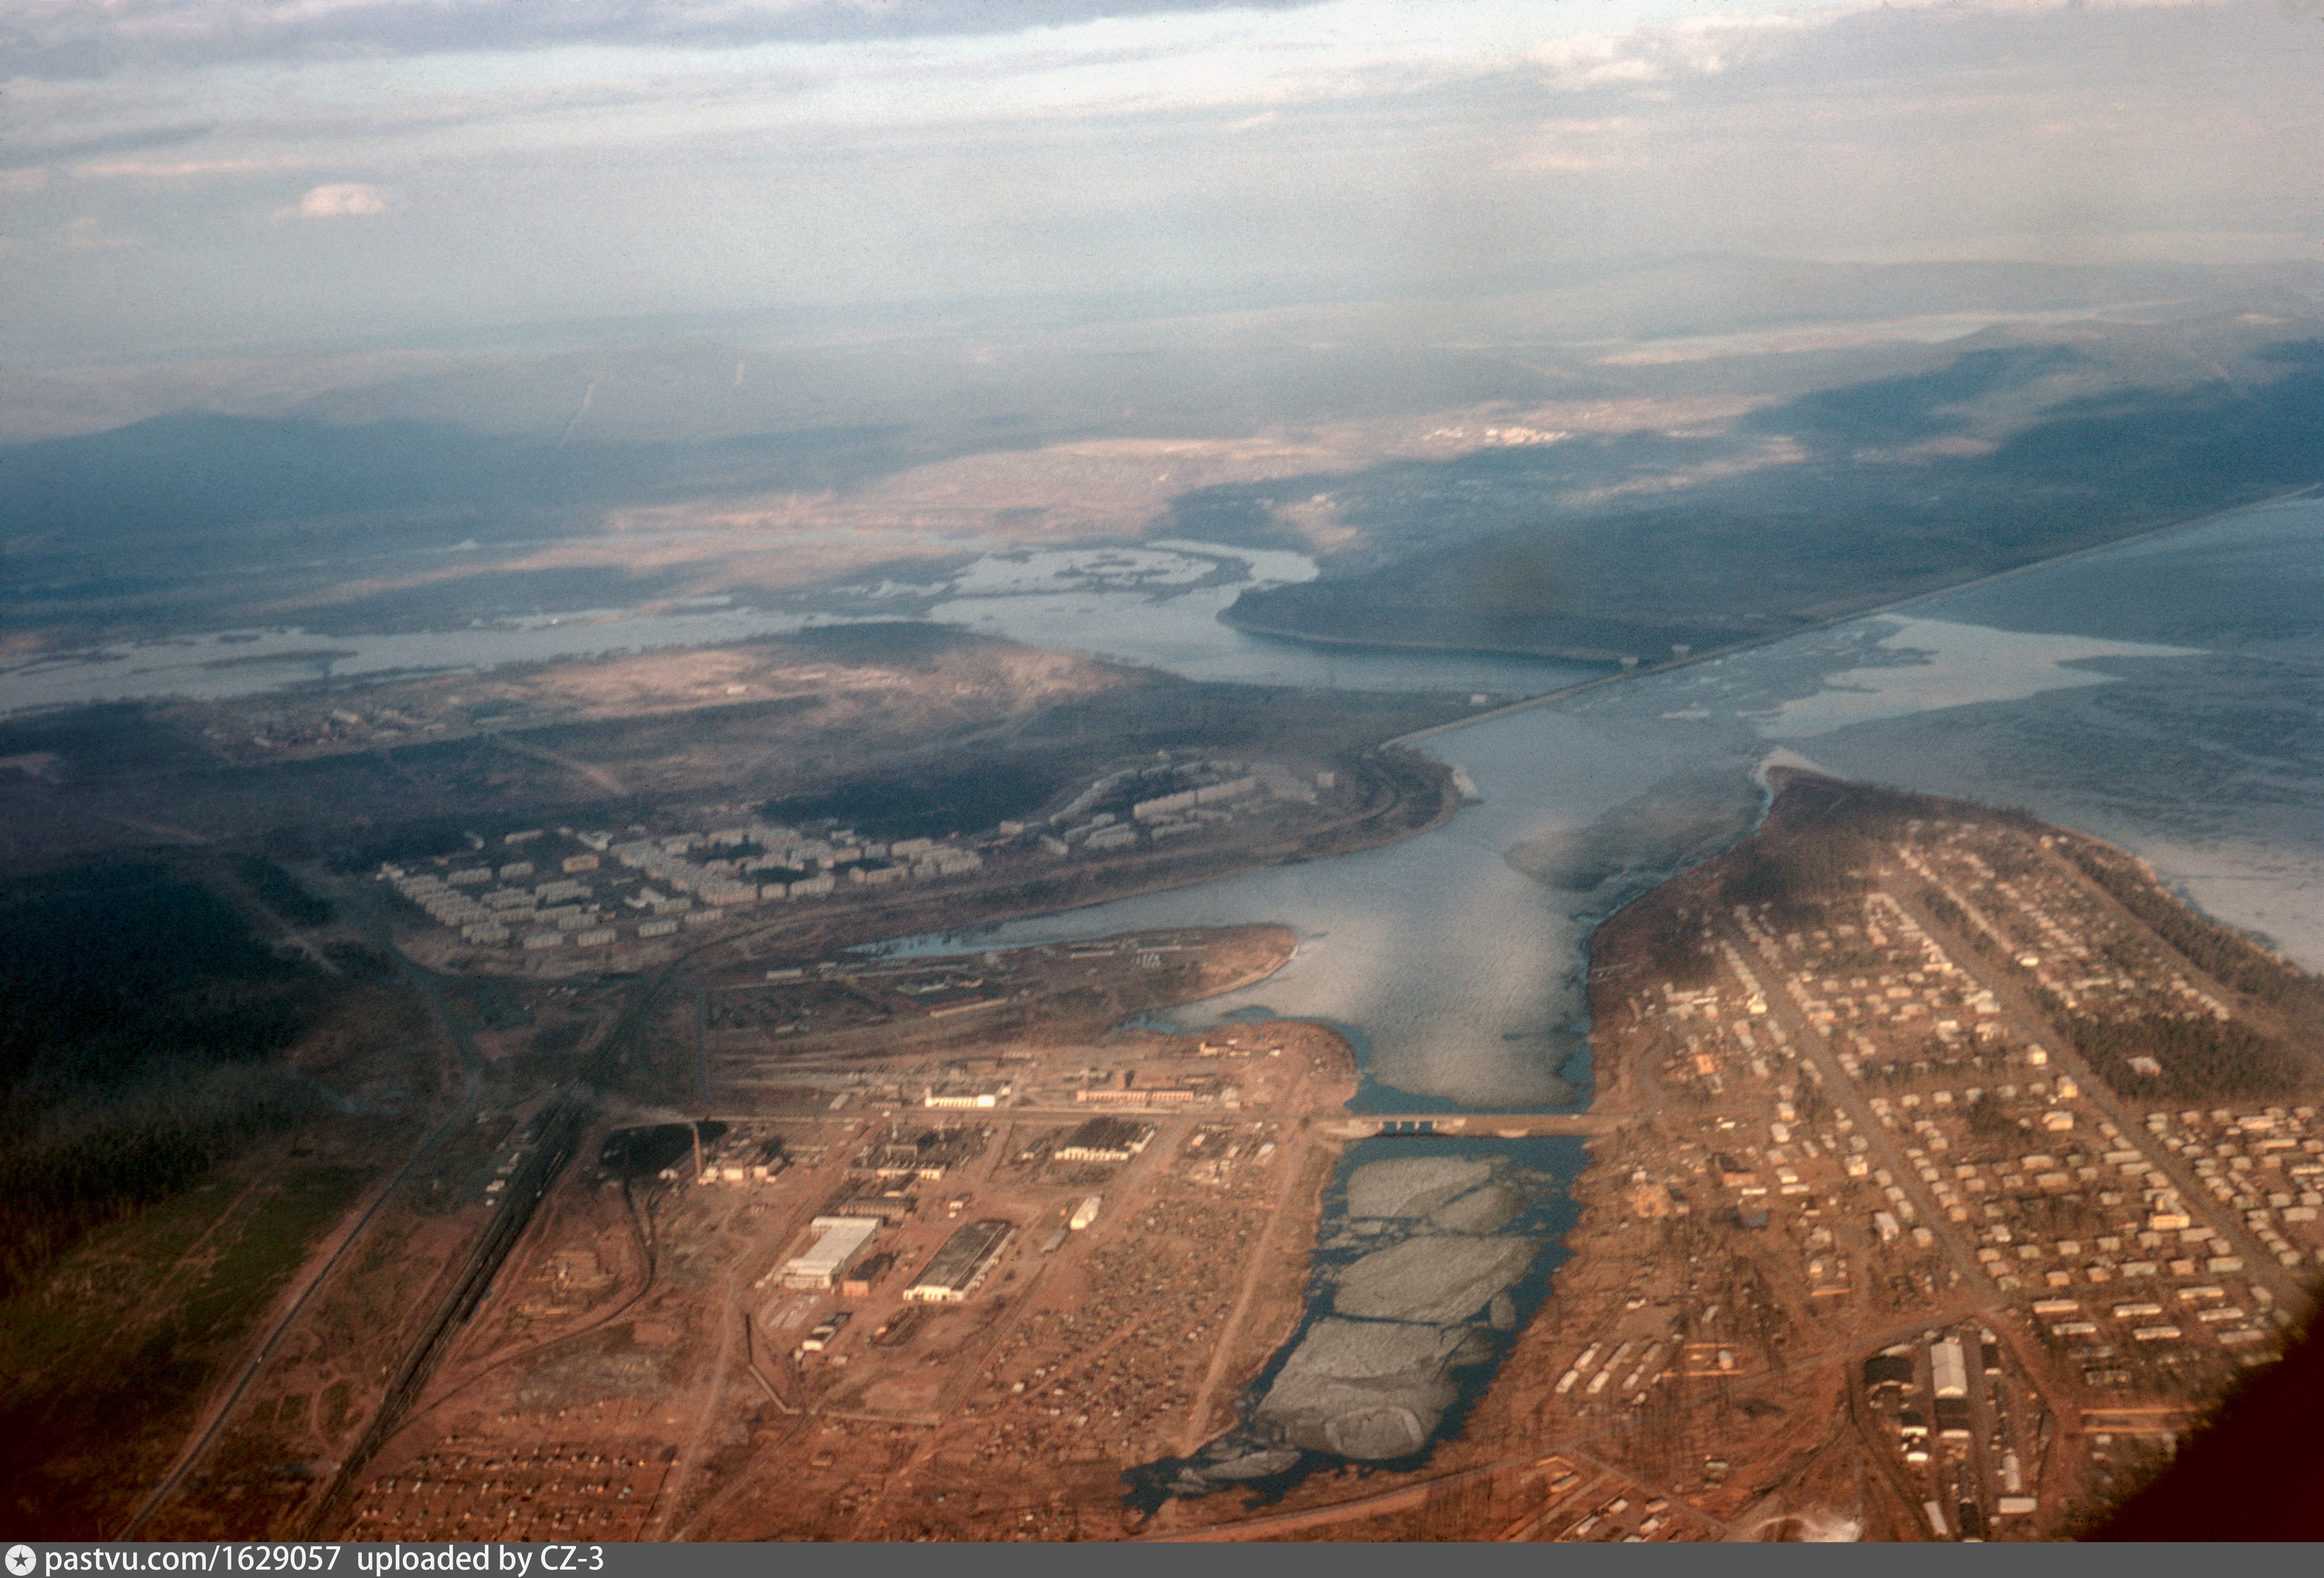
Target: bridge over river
(1501,1125)
(1351,1126)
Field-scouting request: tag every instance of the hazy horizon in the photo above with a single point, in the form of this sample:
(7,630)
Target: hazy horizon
(231,177)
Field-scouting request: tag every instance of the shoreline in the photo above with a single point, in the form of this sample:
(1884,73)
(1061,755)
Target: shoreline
(1692,660)
(1747,1344)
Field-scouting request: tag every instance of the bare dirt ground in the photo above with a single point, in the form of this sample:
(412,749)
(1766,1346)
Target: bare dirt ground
(1080,1352)
(636,1370)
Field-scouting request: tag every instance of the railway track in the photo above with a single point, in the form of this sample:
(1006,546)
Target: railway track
(557,1132)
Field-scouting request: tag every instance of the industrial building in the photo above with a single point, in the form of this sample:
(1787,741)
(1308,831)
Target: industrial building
(1949,1368)
(963,1263)
(1136,1097)
(990,1094)
(905,1152)
(893,1205)
(1105,1140)
(859,1282)
(841,1239)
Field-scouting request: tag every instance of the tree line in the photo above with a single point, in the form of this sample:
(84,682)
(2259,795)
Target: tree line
(140,1018)
(2220,951)
(2201,1057)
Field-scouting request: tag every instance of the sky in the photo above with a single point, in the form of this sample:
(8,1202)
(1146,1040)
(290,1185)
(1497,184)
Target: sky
(187,176)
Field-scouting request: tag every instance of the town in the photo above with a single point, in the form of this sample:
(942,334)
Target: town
(1953,1092)
(1936,1120)
(584,889)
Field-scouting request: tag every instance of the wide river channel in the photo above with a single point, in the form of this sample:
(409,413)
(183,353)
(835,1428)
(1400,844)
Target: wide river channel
(2162,695)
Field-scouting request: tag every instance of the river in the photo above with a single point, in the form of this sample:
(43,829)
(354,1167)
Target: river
(1155,603)
(2162,695)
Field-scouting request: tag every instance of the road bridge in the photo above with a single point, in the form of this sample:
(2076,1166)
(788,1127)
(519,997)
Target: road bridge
(1474,1125)
(1349,1126)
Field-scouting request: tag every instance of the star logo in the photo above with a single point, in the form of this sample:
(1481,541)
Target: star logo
(21,1560)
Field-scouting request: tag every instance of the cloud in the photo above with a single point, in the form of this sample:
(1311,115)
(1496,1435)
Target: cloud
(666,164)
(171,169)
(65,39)
(344,200)
(87,234)
(22,153)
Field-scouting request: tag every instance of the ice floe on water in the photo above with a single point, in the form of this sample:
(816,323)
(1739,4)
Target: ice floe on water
(1414,1186)
(1368,1389)
(1414,1290)
(1942,664)
(1433,1278)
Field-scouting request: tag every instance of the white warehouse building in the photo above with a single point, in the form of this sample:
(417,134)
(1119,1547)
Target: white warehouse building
(841,1240)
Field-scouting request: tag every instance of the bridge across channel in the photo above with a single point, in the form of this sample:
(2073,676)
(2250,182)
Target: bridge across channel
(1501,1125)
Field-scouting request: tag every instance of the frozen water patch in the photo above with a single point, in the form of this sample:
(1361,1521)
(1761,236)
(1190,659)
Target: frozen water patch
(1078,569)
(1269,566)
(1158,605)
(2266,889)
(1433,1278)
(1370,1390)
(1414,1186)
(1958,665)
